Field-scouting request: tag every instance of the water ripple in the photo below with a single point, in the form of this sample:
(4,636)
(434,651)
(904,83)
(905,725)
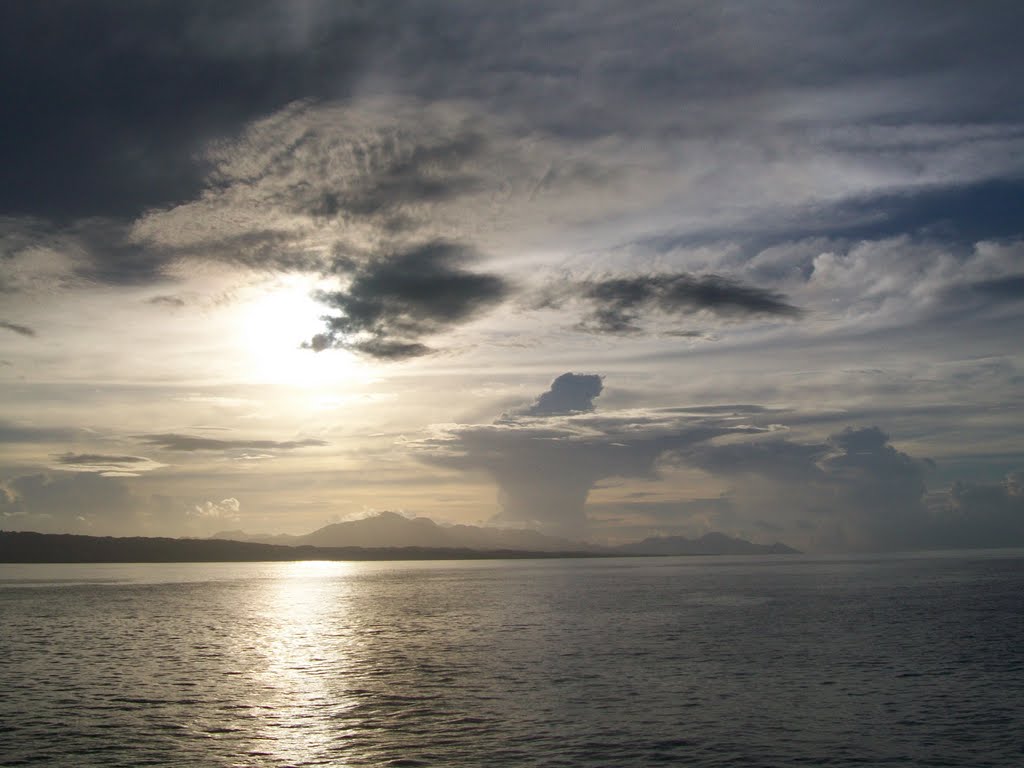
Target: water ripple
(557,663)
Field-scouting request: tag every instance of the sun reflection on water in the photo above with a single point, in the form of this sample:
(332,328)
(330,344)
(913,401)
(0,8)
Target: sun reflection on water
(305,644)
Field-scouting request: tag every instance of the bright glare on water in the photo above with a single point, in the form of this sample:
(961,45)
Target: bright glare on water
(629,662)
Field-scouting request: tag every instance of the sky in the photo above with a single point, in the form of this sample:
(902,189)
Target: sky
(604,269)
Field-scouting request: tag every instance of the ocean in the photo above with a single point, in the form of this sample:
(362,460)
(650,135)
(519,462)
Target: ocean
(908,660)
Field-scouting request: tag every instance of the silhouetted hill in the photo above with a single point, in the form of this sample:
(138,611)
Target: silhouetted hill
(389,529)
(386,536)
(708,544)
(26,547)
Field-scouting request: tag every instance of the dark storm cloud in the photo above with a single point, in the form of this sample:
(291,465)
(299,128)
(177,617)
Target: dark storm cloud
(176,442)
(618,304)
(108,104)
(21,330)
(569,393)
(391,303)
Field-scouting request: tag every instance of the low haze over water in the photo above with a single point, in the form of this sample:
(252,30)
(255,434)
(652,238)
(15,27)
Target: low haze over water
(785,661)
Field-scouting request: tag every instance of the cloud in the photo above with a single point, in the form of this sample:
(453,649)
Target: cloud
(176,442)
(407,174)
(380,137)
(77,502)
(853,492)
(569,393)
(21,330)
(363,179)
(548,458)
(1007,288)
(391,303)
(92,503)
(975,514)
(863,441)
(286,131)
(227,511)
(617,303)
(827,161)
(109,466)
(26,433)
(120,146)
(167,301)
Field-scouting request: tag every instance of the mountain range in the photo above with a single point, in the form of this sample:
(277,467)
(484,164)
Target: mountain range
(390,529)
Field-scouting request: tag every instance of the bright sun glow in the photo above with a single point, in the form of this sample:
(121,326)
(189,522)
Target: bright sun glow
(276,321)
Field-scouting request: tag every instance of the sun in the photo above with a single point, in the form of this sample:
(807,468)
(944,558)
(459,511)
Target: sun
(276,319)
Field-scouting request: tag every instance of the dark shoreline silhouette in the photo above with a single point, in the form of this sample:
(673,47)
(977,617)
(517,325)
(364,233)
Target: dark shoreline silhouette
(24,547)
(30,547)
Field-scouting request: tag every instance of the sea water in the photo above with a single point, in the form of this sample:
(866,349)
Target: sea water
(910,660)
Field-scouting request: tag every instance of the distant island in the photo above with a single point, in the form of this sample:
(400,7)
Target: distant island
(386,536)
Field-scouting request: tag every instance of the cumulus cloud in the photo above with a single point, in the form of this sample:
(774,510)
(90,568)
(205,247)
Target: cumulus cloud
(392,303)
(226,510)
(546,458)
(855,491)
(569,393)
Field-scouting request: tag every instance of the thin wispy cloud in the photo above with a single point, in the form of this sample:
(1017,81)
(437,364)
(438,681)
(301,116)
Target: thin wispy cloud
(21,330)
(177,442)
